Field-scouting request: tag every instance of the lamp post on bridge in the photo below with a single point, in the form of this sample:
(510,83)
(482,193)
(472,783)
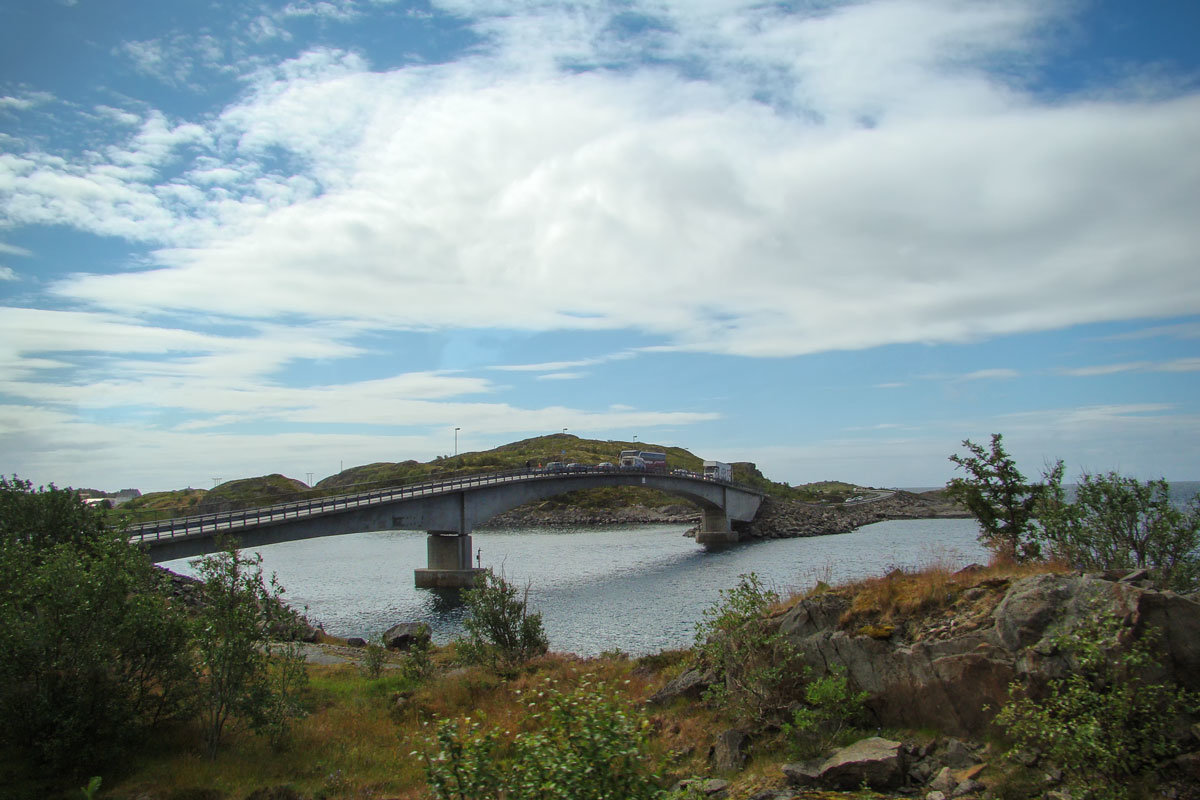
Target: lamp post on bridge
(456,430)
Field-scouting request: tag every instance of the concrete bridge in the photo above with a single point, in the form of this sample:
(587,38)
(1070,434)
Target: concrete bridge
(448,510)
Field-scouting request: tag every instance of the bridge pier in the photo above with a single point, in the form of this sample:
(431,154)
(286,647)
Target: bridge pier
(715,529)
(449,562)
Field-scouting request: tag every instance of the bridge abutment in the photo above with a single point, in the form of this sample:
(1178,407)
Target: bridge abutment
(715,528)
(449,562)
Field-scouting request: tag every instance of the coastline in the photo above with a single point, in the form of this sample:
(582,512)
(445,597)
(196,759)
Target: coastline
(777,519)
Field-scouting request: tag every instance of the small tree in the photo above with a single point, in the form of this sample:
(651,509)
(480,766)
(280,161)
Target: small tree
(1000,499)
(94,653)
(1118,522)
(502,633)
(759,672)
(232,637)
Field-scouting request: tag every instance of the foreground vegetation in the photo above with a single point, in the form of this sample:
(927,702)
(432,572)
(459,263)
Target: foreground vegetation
(108,677)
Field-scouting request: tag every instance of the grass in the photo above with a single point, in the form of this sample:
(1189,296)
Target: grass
(358,736)
(880,606)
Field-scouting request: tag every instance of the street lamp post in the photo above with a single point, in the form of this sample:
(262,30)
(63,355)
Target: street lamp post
(456,430)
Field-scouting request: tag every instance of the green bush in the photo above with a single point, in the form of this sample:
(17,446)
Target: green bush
(1104,724)
(587,746)
(373,660)
(1122,523)
(501,632)
(232,636)
(828,713)
(758,671)
(94,654)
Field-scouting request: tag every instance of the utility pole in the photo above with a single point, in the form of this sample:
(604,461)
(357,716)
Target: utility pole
(456,430)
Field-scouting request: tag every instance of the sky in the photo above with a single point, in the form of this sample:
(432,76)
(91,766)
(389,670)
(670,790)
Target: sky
(833,238)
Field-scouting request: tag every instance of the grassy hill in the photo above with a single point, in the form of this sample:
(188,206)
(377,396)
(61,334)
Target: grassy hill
(269,489)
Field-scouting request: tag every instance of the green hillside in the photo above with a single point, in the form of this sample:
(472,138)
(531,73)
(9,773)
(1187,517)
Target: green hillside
(270,489)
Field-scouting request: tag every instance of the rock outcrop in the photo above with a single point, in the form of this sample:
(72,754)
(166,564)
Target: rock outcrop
(948,673)
(785,519)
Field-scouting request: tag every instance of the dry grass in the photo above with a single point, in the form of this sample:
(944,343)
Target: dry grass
(878,606)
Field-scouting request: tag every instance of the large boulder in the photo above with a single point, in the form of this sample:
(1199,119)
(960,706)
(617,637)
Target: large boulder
(407,634)
(955,675)
(874,762)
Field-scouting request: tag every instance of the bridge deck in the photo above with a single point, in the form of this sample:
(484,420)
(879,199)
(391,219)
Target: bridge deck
(232,522)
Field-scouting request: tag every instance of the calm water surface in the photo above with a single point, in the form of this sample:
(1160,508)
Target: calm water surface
(637,588)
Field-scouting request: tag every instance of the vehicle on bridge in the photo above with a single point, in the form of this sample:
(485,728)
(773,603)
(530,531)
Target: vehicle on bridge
(647,460)
(718,471)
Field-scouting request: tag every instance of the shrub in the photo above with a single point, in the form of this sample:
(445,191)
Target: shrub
(829,711)
(502,633)
(758,670)
(1103,724)
(1121,523)
(587,746)
(94,655)
(373,659)
(232,639)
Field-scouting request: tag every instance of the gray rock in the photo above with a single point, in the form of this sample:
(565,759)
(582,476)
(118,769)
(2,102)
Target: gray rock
(356,641)
(876,762)
(945,681)
(729,750)
(944,781)
(709,787)
(690,683)
(406,634)
(958,755)
(935,795)
(968,787)
(805,773)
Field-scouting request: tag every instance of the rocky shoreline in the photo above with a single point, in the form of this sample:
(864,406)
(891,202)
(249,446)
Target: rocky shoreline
(788,519)
(777,519)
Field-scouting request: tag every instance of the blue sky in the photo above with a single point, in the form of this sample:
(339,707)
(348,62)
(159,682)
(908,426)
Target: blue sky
(832,238)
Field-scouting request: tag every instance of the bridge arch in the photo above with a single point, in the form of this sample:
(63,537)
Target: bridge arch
(448,511)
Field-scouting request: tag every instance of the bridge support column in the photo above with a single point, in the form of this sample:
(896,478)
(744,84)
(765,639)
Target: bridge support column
(715,529)
(449,560)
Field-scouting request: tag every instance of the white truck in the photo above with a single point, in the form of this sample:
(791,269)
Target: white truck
(718,471)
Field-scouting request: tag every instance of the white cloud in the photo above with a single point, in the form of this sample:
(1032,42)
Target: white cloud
(562,376)
(13,250)
(7,273)
(554,366)
(989,375)
(767,184)
(25,101)
(590,197)
(1176,365)
(1185,330)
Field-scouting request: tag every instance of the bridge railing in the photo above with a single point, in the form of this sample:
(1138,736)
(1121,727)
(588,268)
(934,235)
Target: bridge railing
(215,522)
